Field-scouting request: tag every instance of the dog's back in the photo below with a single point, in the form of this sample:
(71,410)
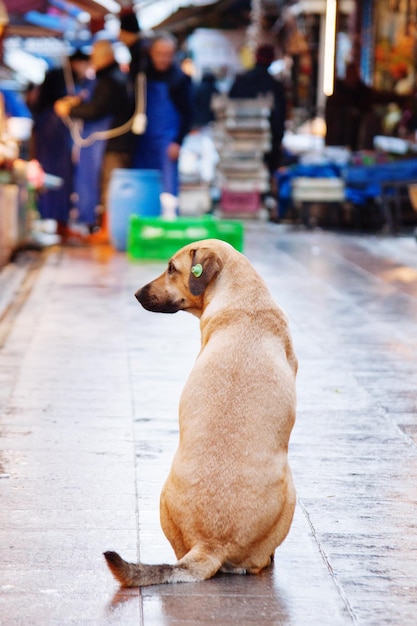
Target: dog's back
(237,410)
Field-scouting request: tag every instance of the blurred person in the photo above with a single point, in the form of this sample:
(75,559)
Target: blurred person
(408,122)
(51,140)
(32,96)
(131,36)
(350,114)
(203,94)
(108,107)
(259,82)
(169,111)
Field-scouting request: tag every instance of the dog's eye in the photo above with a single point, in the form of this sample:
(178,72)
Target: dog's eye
(171,268)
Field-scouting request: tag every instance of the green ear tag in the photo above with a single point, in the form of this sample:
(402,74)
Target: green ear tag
(197,270)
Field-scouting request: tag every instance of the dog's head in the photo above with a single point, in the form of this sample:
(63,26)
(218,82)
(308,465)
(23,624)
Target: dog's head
(183,285)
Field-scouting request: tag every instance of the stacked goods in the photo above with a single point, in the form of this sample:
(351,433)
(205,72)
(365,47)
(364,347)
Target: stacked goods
(242,136)
(197,164)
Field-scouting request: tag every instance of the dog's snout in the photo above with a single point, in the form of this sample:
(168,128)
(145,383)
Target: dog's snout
(154,302)
(143,296)
(138,294)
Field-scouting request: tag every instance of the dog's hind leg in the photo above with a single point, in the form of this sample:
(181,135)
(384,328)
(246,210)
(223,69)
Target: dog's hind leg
(228,568)
(197,564)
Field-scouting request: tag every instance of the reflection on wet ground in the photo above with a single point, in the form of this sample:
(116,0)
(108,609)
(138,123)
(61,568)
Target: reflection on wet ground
(90,384)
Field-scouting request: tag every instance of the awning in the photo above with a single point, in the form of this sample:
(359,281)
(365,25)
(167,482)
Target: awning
(162,12)
(43,17)
(185,16)
(20,7)
(172,14)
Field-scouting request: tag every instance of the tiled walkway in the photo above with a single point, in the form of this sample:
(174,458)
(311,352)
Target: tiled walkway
(89,389)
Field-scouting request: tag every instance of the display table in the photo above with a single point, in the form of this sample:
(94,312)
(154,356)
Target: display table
(380,184)
(9,220)
(294,189)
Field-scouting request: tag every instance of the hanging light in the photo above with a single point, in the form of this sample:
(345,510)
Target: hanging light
(329,47)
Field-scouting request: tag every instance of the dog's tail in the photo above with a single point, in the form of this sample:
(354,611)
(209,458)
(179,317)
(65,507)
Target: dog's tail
(196,565)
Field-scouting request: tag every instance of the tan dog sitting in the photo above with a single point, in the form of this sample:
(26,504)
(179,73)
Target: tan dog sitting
(229,499)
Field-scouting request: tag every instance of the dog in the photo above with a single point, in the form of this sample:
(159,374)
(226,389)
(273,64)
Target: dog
(229,498)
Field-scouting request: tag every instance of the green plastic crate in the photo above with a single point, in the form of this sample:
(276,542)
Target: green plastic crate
(158,238)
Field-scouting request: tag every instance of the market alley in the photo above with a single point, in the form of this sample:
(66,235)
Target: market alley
(89,387)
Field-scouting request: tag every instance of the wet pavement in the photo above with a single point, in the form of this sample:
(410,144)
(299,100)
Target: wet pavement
(89,387)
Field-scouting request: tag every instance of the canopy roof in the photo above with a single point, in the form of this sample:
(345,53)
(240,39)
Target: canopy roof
(29,15)
(21,7)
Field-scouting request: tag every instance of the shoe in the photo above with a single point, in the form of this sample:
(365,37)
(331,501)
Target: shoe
(68,236)
(100,236)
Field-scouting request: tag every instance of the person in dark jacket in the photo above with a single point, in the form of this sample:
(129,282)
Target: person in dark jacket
(109,107)
(258,81)
(203,94)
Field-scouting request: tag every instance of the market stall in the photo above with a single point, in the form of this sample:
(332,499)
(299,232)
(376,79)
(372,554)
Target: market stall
(20,180)
(376,190)
(19,185)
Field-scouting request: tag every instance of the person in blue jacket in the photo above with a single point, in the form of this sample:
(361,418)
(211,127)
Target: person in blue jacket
(169,111)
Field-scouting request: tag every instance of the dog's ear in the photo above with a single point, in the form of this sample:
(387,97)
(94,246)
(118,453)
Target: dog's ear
(205,265)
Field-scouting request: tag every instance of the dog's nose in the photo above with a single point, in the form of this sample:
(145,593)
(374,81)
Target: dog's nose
(142,295)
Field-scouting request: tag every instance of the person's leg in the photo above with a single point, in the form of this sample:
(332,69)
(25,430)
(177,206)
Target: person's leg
(151,154)
(111,161)
(169,171)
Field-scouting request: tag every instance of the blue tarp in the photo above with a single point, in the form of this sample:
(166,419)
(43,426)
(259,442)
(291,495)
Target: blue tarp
(364,182)
(14,103)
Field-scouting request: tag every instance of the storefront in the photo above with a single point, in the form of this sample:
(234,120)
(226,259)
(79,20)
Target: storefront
(395,44)
(388,29)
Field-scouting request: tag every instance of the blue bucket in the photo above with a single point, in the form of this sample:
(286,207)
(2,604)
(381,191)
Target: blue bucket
(131,192)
